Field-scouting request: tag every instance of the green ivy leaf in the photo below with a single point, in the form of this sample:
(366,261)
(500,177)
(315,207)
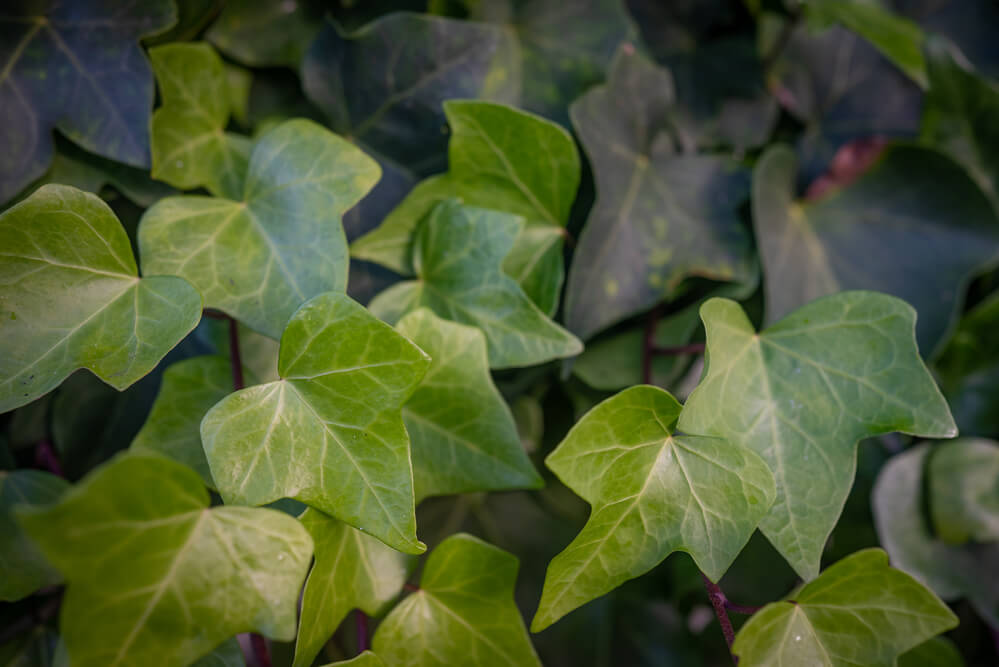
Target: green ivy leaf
(463,435)
(819,247)
(803,392)
(937,652)
(23,569)
(860,611)
(490,168)
(266,34)
(365,659)
(155,576)
(352,571)
(649,228)
(70,297)
(189,145)
(464,612)
(259,259)
(226,654)
(328,433)
(76,68)
(652,493)
(964,491)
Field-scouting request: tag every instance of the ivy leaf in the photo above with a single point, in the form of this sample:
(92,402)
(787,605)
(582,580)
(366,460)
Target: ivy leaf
(652,493)
(75,67)
(489,168)
(659,217)
(70,298)
(972,26)
(936,652)
(464,612)
(155,576)
(365,659)
(352,571)
(463,435)
(842,368)
(266,34)
(190,147)
(913,199)
(457,255)
(24,568)
(400,68)
(860,611)
(964,491)
(226,654)
(260,258)
(329,433)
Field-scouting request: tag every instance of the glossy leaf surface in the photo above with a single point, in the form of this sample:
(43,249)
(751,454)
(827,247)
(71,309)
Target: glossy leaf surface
(23,569)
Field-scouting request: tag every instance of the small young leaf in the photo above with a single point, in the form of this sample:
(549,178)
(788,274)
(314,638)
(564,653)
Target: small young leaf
(330,432)
(463,435)
(652,493)
(23,569)
(860,611)
(155,576)
(352,571)
(463,614)
(259,259)
(457,255)
(964,491)
(70,297)
(803,392)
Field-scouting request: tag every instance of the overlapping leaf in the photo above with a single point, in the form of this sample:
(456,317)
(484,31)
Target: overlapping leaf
(328,433)
(860,611)
(964,491)
(23,569)
(70,298)
(652,493)
(266,34)
(937,652)
(365,659)
(155,576)
(352,571)
(659,217)
(969,24)
(803,392)
(457,256)
(464,612)
(76,67)
(260,258)
(882,232)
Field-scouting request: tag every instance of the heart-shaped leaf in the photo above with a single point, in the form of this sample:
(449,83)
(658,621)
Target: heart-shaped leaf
(24,569)
(155,576)
(328,433)
(652,493)
(803,392)
(71,297)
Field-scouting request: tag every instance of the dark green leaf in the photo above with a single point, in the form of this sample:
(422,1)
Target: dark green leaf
(937,652)
(266,34)
(23,569)
(971,24)
(366,659)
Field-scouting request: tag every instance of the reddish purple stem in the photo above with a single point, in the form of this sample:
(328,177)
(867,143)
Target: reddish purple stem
(362,631)
(237,364)
(46,457)
(261,652)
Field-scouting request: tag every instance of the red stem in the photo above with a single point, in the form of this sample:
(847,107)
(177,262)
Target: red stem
(362,631)
(717,597)
(261,652)
(46,457)
(237,364)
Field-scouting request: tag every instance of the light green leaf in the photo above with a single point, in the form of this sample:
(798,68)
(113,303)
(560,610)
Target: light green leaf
(23,569)
(365,659)
(71,297)
(913,200)
(937,652)
(188,139)
(964,491)
(266,34)
(457,255)
(652,493)
(660,217)
(190,388)
(352,571)
(463,435)
(328,433)
(860,611)
(259,259)
(155,576)
(803,392)
(463,614)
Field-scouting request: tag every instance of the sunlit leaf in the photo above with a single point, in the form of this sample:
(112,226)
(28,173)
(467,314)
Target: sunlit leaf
(23,569)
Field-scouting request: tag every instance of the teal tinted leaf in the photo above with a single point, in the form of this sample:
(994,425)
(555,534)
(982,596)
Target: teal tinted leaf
(165,581)
(457,256)
(23,569)
(352,571)
(76,67)
(937,652)
(840,369)
(192,17)
(266,34)
(652,493)
(860,611)
(463,435)
(71,297)
(260,258)
(226,654)
(400,68)
(969,24)
(189,143)
(190,388)
(464,612)
(913,199)
(964,491)
(328,433)
(366,659)
(659,217)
